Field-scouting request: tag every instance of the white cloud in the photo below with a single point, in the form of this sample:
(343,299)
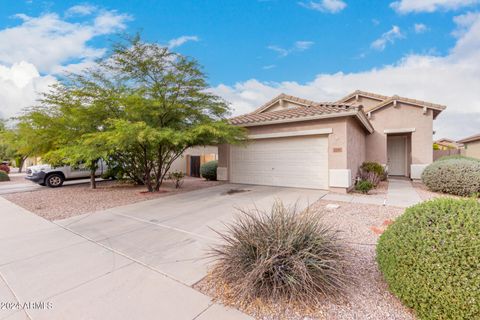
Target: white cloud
(177,42)
(48,41)
(19,85)
(452,80)
(80,10)
(268,67)
(420,28)
(38,48)
(330,6)
(408,6)
(388,37)
(298,46)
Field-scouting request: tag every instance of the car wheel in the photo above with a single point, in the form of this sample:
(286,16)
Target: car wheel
(54,180)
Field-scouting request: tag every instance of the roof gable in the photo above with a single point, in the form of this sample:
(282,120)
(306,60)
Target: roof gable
(384,101)
(283,101)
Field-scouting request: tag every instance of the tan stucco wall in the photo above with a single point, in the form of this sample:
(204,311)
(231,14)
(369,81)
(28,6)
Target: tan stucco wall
(180,164)
(401,117)
(472,149)
(356,146)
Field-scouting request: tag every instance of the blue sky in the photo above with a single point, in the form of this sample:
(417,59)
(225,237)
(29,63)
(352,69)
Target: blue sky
(254,49)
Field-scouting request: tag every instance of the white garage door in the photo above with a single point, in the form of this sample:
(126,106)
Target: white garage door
(300,162)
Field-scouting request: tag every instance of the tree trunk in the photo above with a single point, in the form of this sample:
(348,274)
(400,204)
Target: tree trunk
(93,182)
(21,163)
(93,169)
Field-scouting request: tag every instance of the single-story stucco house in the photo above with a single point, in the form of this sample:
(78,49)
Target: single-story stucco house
(471,146)
(295,142)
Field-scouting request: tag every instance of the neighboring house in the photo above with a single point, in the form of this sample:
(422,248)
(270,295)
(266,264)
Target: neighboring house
(471,146)
(447,144)
(191,160)
(301,143)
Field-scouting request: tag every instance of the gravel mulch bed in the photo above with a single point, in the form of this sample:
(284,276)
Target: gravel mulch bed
(380,190)
(426,194)
(73,200)
(368,298)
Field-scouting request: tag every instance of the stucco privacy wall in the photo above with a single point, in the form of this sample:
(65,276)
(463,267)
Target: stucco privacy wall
(356,146)
(337,142)
(402,116)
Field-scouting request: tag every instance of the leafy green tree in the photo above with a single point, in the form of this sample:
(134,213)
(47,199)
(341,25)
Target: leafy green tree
(165,108)
(140,107)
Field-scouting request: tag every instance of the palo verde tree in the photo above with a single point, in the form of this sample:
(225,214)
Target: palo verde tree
(164,108)
(67,117)
(141,107)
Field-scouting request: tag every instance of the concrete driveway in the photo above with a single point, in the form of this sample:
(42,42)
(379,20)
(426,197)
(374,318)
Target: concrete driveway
(133,262)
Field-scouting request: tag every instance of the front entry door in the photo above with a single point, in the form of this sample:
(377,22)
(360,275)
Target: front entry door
(397,155)
(195,166)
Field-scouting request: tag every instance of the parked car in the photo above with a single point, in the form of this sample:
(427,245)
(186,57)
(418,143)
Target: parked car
(53,177)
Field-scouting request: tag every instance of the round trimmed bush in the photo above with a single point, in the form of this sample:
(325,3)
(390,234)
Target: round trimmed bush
(208,170)
(281,255)
(364,186)
(455,176)
(4,176)
(430,258)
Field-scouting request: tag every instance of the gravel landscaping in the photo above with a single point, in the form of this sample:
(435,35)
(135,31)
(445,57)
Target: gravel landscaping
(368,298)
(72,200)
(426,194)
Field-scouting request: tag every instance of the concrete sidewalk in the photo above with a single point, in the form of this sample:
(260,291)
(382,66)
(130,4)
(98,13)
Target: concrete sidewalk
(76,278)
(400,193)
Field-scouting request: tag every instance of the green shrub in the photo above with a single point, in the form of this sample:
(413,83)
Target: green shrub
(455,176)
(177,177)
(430,258)
(281,254)
(372,171)
(4,176)
(457,157)
(364,186)
(208,170)
(5,168)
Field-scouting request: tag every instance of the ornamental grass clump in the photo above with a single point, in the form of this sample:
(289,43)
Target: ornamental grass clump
(430,258)
(281,255)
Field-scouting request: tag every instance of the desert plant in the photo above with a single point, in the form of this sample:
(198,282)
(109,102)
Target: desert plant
(457,156)
(364,186)
(372,171)
(177,177)
(208,170)
(455,176)
(5,168)
(281,255)
(4,176)
(429,258)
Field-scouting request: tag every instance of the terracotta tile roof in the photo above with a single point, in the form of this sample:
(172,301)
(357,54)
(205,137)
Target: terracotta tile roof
(470,139)
(365,94)
(386,100)
(312,110)
(286,97)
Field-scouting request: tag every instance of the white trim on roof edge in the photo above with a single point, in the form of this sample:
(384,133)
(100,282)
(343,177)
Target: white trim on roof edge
(291,134)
